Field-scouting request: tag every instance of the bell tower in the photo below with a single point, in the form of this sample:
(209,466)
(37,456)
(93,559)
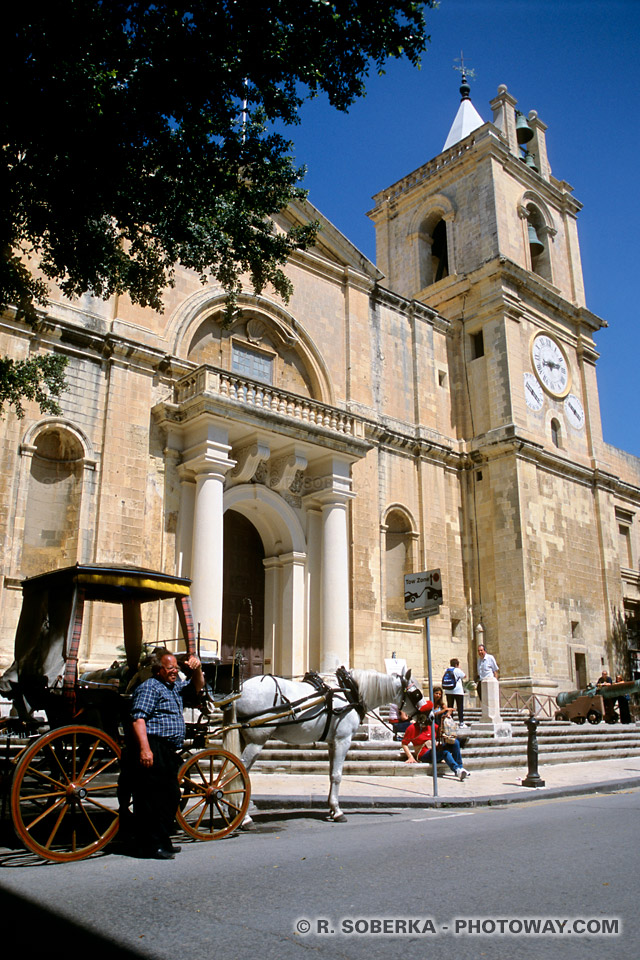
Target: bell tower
(487,236)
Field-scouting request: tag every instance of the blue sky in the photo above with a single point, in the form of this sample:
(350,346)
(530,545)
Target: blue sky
(575,63)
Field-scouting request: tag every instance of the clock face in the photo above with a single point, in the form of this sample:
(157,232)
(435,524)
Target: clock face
(574,411)
(550,365)
(533,392)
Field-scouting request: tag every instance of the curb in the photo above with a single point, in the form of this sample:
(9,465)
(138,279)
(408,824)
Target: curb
(529,794)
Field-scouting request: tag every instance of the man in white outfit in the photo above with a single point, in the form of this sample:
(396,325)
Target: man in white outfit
(487,667)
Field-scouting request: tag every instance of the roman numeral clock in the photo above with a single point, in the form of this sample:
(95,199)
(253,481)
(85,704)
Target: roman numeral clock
(552,373)
(550,365)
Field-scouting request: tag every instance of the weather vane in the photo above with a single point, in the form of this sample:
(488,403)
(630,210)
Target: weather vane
(466,73)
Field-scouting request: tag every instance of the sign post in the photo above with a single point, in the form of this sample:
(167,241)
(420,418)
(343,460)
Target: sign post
(423,598)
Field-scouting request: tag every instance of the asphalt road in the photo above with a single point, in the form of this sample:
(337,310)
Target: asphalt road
(440,882)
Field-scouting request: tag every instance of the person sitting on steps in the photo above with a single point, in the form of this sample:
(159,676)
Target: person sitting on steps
(419,735)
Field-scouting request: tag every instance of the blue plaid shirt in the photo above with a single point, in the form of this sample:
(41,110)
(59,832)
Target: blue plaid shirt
(160,706)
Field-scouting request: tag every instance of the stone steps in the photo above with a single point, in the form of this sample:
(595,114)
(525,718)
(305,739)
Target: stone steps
(557,743)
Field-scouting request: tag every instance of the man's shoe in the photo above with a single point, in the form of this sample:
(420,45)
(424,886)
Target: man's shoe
(173,848)
(161,854)
(461,773)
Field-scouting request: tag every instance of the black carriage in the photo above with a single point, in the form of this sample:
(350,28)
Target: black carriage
(67,792)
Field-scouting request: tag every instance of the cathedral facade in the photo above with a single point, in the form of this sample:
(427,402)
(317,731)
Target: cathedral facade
(436,410)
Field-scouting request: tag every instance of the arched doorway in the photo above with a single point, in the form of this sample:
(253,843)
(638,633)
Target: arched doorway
(243,593)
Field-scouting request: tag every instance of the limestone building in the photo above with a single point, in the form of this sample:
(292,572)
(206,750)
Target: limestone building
(439,409)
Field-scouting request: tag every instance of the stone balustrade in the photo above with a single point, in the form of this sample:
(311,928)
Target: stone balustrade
(209,380)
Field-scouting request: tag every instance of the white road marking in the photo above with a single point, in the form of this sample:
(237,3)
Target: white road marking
(445,816)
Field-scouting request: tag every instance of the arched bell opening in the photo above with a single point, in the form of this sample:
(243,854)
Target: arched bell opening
(434,250)
(539,242)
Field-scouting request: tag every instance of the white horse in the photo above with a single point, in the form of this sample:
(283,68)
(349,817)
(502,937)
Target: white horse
(301,712)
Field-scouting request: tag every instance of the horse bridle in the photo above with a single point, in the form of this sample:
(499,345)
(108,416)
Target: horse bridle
(411,692)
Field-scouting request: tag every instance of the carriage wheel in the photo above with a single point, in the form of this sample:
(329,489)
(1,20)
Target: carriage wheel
(64,795)
(215,794)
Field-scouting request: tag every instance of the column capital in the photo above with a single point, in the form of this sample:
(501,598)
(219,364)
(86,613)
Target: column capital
(293,557)
(209,464)
(332,489)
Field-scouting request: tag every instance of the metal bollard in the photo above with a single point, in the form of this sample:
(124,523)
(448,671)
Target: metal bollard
(533,778)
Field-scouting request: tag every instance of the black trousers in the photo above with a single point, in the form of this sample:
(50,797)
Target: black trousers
(156,796)
(458,699)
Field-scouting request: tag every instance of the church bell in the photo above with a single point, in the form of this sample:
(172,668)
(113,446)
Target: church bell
(535,243)
(524,133)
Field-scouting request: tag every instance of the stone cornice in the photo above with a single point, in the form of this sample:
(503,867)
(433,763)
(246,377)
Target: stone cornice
(485,141)
(508,443)
(420,443)
(338,273)
(524,289)
(415,309)
(100,344)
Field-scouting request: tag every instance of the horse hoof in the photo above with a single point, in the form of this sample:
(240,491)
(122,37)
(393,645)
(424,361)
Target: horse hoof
(340,819)
(248,826)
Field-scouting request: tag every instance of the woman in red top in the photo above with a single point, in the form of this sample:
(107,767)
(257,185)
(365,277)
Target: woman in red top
(419,734)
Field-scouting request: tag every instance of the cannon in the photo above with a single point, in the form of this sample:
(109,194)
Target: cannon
(593,703)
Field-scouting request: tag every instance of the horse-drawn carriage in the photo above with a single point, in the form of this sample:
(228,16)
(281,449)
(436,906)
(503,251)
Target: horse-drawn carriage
(68,789)
(66,793)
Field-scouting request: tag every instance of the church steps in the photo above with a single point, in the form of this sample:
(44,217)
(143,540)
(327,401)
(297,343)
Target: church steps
(557,743)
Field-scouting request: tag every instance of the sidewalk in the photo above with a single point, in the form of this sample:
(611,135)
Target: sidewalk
(483,787)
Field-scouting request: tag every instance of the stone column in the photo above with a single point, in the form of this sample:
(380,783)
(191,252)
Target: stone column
(207,553)
(184,533)
(334,603)
(272,615)
(314,584)
(293,606)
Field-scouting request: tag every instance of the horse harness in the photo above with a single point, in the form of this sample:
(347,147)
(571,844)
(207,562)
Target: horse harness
(297,712)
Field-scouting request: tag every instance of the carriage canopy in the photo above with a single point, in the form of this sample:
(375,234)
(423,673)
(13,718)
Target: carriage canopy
(50,625)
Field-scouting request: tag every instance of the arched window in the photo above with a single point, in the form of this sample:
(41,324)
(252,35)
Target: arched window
(556,433)
(52,516)
(398,552)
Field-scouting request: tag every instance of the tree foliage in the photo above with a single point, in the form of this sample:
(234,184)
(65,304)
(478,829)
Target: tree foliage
(38,378)
(139,135)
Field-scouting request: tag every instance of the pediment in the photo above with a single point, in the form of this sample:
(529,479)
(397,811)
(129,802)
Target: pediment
(331,244)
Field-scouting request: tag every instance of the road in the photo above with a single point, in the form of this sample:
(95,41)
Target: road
(300,887)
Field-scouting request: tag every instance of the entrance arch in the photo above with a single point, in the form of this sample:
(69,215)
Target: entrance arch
(243,593)
(284,561)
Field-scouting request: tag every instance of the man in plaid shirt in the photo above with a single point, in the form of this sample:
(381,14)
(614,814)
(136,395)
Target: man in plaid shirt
(158,732)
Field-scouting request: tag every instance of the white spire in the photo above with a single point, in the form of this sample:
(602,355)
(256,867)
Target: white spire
(467,119)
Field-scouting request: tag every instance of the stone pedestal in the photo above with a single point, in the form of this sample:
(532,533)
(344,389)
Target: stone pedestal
(490,701)
(490,718)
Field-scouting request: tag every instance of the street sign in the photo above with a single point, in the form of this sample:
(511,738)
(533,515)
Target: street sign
(422,593)
(430,611)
